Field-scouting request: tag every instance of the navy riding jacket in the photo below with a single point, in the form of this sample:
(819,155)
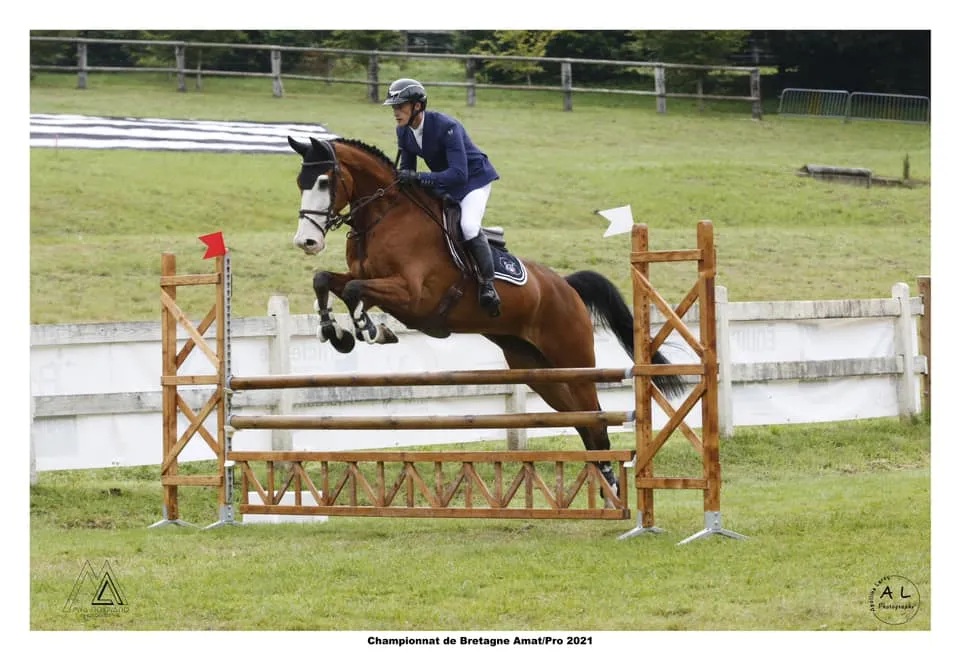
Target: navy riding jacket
(457,167)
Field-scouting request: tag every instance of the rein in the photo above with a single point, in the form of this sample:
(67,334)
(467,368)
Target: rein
(429,212)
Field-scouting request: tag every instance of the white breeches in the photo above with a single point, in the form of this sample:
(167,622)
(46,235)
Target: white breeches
(471,211)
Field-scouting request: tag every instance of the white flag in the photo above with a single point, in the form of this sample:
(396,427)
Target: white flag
(621,220)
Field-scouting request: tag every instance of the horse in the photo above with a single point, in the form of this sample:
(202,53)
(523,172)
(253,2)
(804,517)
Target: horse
(398,261)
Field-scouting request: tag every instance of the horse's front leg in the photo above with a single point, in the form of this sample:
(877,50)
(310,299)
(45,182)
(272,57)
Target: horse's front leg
(389,293)
(323,283)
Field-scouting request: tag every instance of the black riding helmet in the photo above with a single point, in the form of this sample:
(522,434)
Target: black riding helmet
(406,90)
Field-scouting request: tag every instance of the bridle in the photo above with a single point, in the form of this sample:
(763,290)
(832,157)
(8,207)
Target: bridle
(335,220)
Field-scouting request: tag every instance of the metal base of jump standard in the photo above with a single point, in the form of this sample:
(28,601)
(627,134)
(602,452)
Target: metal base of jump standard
(445,484)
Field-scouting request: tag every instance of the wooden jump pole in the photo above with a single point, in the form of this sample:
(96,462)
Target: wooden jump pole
(478,377)
(411,422)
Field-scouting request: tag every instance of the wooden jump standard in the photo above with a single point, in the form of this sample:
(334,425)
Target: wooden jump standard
(477,488)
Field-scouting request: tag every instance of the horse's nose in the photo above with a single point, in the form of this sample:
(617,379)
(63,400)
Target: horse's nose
(309,243)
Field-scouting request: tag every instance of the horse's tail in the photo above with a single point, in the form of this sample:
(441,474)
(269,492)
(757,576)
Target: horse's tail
(610,311)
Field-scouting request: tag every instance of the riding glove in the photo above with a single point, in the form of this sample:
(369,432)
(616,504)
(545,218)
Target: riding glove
(408,176)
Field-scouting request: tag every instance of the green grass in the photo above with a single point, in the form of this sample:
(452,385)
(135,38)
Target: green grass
(100,219)
(829,509)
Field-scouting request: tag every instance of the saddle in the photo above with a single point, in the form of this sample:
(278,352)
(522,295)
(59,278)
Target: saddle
(505,265)
(454,236)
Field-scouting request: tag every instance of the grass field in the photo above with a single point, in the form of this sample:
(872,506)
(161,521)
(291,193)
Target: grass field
(829,508)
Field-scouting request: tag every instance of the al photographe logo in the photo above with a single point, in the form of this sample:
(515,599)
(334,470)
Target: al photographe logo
(894,600)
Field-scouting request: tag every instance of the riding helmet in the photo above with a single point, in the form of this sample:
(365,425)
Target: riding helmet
(405,90)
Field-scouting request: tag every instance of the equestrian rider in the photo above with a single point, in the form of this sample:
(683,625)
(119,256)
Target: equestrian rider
(458,169)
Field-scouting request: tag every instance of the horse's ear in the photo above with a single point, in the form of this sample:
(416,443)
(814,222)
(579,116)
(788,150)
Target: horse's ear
(322,146)
(299,147)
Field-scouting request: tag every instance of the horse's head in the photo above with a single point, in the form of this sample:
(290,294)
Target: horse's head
(324,193)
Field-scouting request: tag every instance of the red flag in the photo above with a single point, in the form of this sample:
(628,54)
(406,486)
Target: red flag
(215,246)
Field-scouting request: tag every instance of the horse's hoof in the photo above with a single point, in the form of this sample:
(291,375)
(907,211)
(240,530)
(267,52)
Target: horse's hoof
(369,333)
(344,343)
(387,336)
(329,332)
(611,479)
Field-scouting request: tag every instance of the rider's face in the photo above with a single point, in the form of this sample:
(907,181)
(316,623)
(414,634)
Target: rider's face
(402,113)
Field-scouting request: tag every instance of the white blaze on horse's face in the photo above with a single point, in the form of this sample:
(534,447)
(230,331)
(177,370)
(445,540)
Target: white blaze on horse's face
(314,204)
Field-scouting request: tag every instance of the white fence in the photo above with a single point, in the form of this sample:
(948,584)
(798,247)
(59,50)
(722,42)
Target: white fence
(96,387)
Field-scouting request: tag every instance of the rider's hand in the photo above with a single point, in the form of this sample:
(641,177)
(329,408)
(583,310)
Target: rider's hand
(408,176)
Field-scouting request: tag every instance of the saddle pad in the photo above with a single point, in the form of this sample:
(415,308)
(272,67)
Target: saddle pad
(508,268)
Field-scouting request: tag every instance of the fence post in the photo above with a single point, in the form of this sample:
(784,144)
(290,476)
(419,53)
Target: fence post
(517,403)
(279,308)
(199,83)
(275,56)
(471,65)
(82,65)
(566,80)
(373,72)
(180,53)
(904,349)
(725,394)
(923,283)
(660,87)
(700,95)
(755,93)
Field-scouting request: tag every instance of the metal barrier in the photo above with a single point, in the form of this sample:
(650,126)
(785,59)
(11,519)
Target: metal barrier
(814,102)
(841,104)
(889,107)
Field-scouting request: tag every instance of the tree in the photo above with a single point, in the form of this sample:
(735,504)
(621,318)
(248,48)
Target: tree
(688,47)
(891,61)
(366,40)
(523,43)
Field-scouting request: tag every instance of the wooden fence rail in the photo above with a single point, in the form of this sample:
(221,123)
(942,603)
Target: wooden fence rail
(566,87)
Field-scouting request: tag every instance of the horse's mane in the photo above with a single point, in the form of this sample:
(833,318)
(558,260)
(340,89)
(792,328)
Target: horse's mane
(377,153)
(368,148)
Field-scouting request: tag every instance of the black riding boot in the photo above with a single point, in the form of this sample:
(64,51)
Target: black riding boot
(480,249)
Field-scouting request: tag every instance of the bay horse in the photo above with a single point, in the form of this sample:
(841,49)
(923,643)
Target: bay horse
(398,260)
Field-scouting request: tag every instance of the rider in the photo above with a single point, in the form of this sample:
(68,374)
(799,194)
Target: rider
(458,169)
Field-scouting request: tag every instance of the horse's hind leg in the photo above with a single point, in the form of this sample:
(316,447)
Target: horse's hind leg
(562,397)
